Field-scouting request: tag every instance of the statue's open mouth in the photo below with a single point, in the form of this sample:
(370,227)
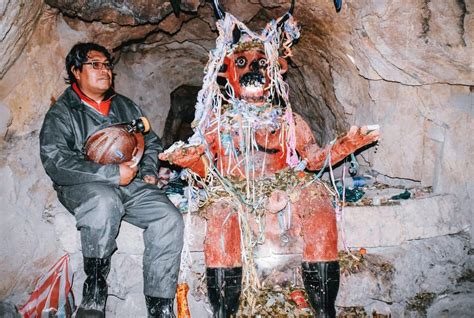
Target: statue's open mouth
(252,87)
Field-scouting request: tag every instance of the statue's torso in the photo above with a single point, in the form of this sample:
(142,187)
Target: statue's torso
(251,153)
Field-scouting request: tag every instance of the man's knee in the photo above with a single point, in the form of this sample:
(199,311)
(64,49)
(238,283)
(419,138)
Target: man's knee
(98,218)
(100,208)
(168,230)
(172,220)
(176,218)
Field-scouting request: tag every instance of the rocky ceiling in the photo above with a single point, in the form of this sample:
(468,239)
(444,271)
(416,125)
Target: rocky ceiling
(129,12)
(405,65)
(146,26)
(336,55)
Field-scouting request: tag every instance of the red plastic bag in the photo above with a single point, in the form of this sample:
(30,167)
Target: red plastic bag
(53,294)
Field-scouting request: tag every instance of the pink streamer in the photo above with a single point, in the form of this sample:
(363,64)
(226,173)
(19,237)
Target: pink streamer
(291,155)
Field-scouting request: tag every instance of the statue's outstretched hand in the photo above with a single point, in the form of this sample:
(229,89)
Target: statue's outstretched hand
(364,135)
(354,140)
(185,156)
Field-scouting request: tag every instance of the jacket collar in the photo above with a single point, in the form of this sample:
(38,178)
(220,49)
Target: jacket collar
(103,107)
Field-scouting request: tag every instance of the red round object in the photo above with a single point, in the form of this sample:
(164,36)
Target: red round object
(114,145)
(298,297)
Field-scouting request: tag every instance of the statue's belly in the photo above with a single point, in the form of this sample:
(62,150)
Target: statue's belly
(305,226)
(256,165)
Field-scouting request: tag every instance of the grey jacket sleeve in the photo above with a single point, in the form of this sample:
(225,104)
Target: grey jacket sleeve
(63,163)
(149,164)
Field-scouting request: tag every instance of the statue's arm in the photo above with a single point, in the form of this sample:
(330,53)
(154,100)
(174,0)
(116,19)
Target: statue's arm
(192,157)
(315,156)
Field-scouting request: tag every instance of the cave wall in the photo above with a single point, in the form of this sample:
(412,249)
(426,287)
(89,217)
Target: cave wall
(145,76)
(406,66)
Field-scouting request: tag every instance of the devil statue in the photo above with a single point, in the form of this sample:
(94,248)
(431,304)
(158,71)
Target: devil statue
(245,135)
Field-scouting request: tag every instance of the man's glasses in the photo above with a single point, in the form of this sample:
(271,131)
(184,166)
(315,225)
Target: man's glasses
(96,65)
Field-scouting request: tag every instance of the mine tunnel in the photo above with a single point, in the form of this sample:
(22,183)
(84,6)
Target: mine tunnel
(178,123)
(405,246)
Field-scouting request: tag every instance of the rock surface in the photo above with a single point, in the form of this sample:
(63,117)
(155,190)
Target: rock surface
(406,66)
(130,12)
(17,22)
(391,277)
(5,119)
(387,225)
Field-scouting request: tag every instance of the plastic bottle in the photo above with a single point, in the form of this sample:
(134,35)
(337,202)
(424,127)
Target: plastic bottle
(357,181)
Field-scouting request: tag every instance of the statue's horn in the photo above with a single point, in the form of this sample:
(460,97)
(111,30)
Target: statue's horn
(236,34)
(176,5)
(286,16)
(218,9)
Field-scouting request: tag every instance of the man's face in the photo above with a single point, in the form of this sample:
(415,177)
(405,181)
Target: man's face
(94,82)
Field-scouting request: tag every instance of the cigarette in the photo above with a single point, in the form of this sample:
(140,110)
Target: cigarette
(135,163)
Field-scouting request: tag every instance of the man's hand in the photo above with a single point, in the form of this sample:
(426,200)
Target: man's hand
(164,176)
(150,179)
(127,172)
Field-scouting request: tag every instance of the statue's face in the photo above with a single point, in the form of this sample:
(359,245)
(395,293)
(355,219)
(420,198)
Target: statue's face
(247,73)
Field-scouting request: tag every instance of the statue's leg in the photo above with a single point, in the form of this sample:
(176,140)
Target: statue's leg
(320,262)
(223,258)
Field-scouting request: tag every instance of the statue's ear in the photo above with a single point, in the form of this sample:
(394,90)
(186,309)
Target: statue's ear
(283,65)
(224,69)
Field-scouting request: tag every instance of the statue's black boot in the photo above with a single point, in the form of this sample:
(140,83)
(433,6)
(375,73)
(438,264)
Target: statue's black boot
(94,292)
(321,282)
(160,307)
(223,288)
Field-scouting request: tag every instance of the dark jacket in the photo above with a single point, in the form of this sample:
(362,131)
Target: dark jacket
(66,127)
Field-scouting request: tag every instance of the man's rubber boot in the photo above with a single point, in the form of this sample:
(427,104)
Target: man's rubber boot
(223,289)
(94,292)
(159,307)
(321,282)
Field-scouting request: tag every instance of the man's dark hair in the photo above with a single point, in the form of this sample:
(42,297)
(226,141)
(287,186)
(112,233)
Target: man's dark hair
(77,56)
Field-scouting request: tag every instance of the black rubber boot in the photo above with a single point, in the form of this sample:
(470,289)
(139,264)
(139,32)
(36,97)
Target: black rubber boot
(223,289)
(321,281)
(160,307)
(94,292)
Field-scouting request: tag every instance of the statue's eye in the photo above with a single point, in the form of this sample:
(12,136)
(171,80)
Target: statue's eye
(241,61)
(262,63)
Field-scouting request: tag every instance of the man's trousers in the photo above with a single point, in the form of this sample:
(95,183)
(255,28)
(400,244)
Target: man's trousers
(99,208)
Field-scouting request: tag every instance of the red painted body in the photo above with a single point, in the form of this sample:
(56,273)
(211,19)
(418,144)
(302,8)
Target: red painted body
(313,217)
(222,243)
(313,230)
(318,224)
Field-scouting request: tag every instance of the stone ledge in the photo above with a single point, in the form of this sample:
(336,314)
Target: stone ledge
(392,225)
(364,226)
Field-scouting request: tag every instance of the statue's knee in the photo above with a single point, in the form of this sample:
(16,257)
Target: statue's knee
(222,243)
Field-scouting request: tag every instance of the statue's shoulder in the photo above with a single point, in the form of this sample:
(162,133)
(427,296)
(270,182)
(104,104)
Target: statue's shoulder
(299,120)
